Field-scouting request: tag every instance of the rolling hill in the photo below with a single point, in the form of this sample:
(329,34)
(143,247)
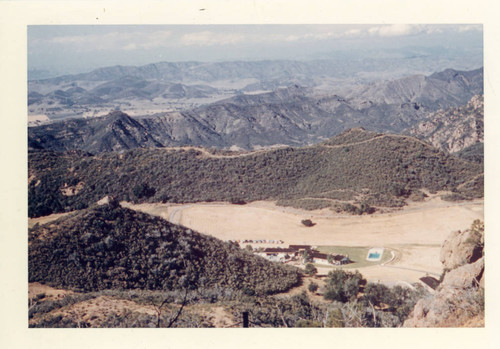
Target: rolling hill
(110,247)
(357,166)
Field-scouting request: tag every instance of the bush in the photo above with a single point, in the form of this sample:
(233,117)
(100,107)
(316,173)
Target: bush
(313,287)
(335,318)
(376,294)
(453,197)
(236,201)
(308,223)
(143,190)
(311,269)
(342,285)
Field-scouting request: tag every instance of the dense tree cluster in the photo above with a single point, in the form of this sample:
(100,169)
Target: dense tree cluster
(109,247)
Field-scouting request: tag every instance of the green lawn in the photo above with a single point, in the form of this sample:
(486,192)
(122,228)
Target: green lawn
(356,254)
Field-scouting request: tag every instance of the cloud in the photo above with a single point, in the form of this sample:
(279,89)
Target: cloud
(132,38)
(470,27)
(208,38)
(130,47)
(353,32)
(126,41)
(397,30)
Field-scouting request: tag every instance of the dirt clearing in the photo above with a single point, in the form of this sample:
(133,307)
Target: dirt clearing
(415,233)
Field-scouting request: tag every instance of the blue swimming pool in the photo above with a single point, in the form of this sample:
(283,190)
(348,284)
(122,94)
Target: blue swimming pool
(375,254)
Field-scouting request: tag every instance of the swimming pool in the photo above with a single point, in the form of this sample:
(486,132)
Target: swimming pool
(375,254)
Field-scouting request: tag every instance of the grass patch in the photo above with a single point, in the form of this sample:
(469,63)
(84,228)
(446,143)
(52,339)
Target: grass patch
(356,254)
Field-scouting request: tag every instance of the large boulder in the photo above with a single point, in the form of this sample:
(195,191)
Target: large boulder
(451,307)
(459,300)
(466,276)
(460,248)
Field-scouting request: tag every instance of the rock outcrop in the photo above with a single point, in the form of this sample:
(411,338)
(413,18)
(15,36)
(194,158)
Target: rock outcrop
(453,129)
(459,300)
(459,249)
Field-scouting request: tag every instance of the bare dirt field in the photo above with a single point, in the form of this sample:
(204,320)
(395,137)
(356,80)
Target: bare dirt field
(415,233)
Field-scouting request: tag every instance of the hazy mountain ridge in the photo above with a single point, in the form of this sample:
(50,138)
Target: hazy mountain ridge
(162,87)
(115,132)
(211,71)
(293,116)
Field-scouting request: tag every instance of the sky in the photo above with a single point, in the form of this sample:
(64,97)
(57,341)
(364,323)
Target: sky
(80,48)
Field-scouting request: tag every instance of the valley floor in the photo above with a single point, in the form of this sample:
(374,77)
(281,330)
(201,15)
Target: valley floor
(414,234)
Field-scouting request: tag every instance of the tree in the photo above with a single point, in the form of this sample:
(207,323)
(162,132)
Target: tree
(330,258)
(238,201)
(308,223)
(334,318)
(342,285)
(313,287)
(311,269)
(306,257)
(376,294)
(143,190)
(365,208)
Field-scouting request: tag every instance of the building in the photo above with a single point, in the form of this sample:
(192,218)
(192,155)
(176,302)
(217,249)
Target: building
(296,253)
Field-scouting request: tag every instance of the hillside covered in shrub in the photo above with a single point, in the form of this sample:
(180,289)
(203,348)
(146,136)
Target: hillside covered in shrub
(357,166)
(110,247)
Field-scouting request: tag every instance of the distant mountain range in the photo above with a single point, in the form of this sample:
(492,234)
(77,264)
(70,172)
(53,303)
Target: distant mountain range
(293,115)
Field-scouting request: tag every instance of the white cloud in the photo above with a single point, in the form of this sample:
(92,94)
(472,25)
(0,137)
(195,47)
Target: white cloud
(470,27)
(414,29)
(130,47)
(208,38)
(397,30)
(148,38)
(353,32)
(127,41)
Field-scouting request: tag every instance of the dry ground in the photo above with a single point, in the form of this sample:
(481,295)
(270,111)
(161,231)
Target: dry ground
(96,310)
(45,219)
(415,233)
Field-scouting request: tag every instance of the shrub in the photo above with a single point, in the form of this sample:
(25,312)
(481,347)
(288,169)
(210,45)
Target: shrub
(143,190)
(313,287)
(453,197)
(308,223)
(342,285)
(310,269)
(236,201)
